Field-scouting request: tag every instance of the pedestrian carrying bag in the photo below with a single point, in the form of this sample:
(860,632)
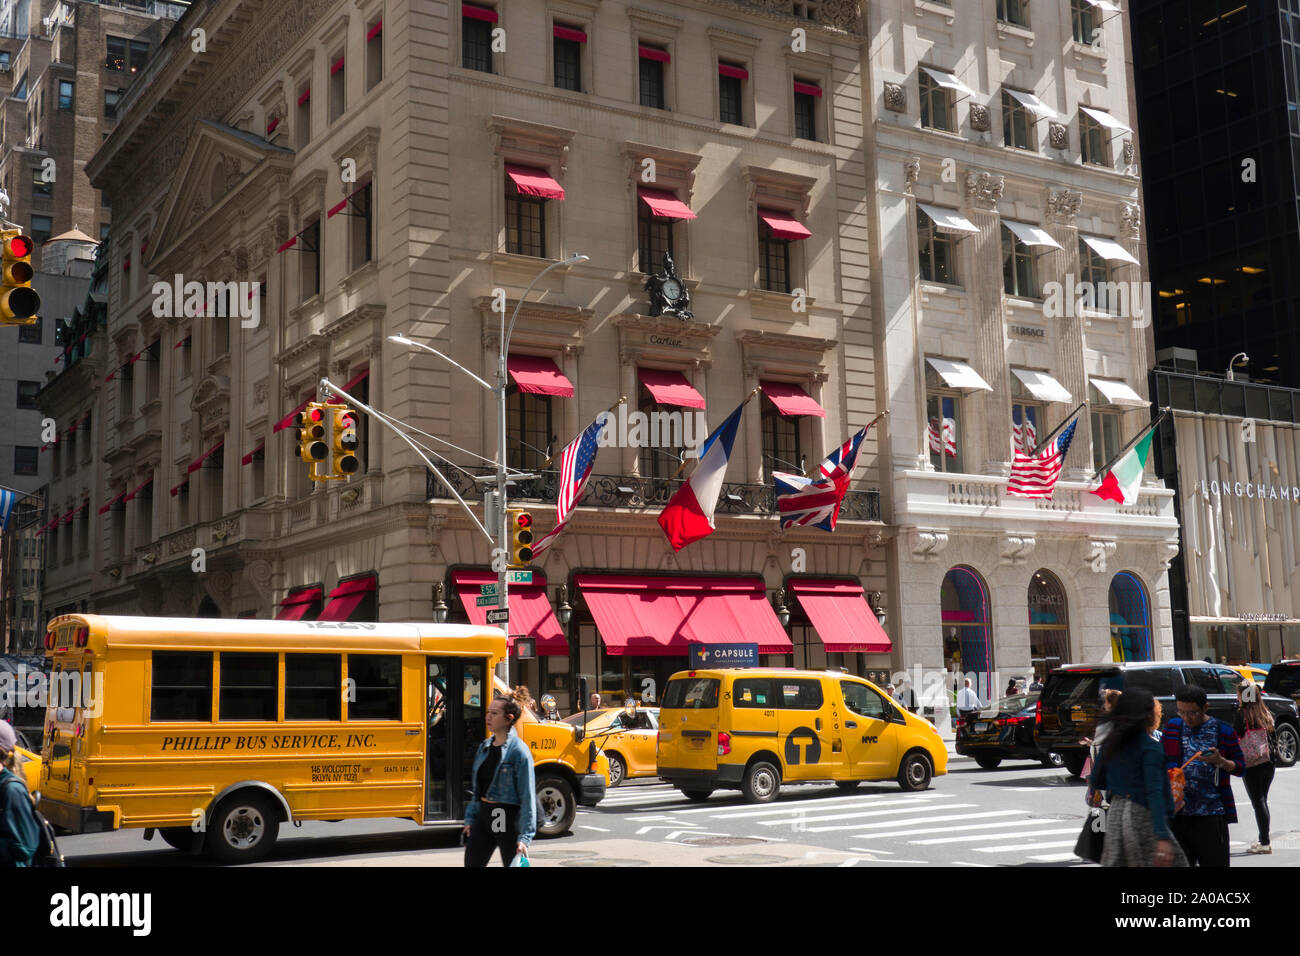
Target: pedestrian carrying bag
(1092,840)
(1178,781)
(47,851)
(1255,747)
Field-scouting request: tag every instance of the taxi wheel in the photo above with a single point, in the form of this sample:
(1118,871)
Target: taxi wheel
(848,786)
(914,772)
(762,782)
(556,808)
(178,838)
(1053,761)
(988,763)
(617,769)
(243,830)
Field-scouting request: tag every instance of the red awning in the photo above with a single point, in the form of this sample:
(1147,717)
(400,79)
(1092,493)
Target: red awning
(288,419)
(345,598)
(46,527)
(197,463)
(790,399)
(183,341)
(532,181)
(782,225)
(270,127)
(67,518)
(568,33)
(353,382)
(807,88)
(304,96)
(136,491)
(298,603)
(539,375)
(839,612)
(651,53)
(176,489)
(670,388)
(374,31)
(338,65)
(738,72)
(478,13)
(107,505)
(248,459)
(663,616)
(664,204)
(530,609)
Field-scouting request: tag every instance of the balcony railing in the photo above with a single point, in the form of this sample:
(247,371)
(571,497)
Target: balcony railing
(625,491)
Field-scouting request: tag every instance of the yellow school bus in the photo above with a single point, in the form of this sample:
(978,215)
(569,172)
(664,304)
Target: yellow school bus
(213,733)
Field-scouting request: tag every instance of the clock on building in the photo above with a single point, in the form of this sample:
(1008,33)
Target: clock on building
(668,293)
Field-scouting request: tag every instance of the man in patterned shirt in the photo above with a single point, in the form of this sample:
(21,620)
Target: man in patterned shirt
(1201,822)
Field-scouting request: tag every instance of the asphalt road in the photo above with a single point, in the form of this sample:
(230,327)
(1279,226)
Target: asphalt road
(1017,815)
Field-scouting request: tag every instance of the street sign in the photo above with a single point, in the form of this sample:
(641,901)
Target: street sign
(498,615)
(724,655)
(487,590)
(488,600)
(519,577)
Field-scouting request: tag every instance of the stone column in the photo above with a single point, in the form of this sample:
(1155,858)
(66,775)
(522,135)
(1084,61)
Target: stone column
(753,422)
(1141,316)
(991,409)
(1066,329)
(629,460)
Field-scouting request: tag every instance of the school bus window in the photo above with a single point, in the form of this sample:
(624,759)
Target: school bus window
(861,699)
(800,694)
(313,686)
(182,686)
(377,683)
(753,692)
(248,686)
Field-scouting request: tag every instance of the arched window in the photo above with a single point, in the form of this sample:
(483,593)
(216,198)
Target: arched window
(1130,618)
(967,630)
(1049,623)
(208,608)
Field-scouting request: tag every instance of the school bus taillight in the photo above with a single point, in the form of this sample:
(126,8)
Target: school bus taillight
(83,636)
(724,743)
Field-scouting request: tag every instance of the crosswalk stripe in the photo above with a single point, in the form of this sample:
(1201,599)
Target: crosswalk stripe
(1031,834)
(973,826)
(918,820)
(804,807)
(829,803)
(1025,846)
(1056,858)
(799,821)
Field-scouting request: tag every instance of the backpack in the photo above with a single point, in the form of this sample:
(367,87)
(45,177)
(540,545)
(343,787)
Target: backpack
(47,852)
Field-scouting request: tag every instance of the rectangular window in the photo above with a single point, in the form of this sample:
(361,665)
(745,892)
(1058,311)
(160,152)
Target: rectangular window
(1019,267)
(1017,123)
(568,58)
(27,394)
(220,336)
(153,359)
(4,59)
(139,55)
(1014,11)
(943,423)
(753,692)
(1094,143)
(116,59)
(651,76)
(144,516)
(936,104)
(805,114)
(338,87)
(659,457)
(313,686)
(773,261)
(303,117)
(125,391)
(938,252)
(1027,425)
(103,226)
(41,188)
(731,104)
(181,686)
(374,54)
(111,99)
(65,94)
(798,693)
(1105,437)
(1085,22)
(476,43)
(309,261)
(31,334)
(525,223)
(42,226)
(377,682)
(183,366)
(528,429)
(782,450)
(360,226)
(249,686)
(654,235)
(26,460)
(1095,275)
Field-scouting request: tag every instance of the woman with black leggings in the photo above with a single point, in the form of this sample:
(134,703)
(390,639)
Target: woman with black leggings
(1254,715)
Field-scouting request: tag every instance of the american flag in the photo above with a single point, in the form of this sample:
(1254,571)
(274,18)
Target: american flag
(575,468)
(1026,438)
(816,501)
(949,437)
(1036,477)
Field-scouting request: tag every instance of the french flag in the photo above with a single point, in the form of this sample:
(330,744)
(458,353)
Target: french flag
(688,516)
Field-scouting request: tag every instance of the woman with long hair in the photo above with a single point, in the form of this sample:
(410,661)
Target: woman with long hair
(502,810)
(19,830)
(1131,769)
(1254,717)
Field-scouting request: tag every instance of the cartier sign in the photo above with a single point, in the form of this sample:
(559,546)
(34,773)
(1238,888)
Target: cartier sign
(665,340)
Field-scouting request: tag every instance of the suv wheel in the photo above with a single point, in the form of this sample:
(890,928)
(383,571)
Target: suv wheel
(988,763)
(1288,744)
(1074,761)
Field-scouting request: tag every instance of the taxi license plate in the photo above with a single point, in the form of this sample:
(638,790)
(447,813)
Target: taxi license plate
(981,727)
(697,743)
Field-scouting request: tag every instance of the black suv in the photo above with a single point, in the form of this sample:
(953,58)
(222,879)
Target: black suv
(1284,680)
(1071,700)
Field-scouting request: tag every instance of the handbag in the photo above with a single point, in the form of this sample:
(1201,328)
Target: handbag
(521,859)
(1092,840)
(47,851)
(1255,746)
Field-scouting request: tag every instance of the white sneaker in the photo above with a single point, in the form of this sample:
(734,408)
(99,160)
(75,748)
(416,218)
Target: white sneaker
(1260,848)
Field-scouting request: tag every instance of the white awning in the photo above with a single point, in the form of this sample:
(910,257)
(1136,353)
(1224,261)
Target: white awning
(948,220)
(1033,103)
(948,81)
(1030,235)
(1103,4)
(959,375)
(1106,120)
(1042,386)
(1117,393)
(1109,249)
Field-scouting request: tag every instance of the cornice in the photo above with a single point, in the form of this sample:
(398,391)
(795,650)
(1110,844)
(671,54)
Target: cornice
(664,325)
(310,343)
(350,320)
(784,341)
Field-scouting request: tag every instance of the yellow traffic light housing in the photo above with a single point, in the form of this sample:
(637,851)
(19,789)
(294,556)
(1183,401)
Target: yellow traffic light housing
(521,537)
(18,300)
(312,444)
(344,461)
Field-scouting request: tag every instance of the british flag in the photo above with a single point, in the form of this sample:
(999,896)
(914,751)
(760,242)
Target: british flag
(949,436)
(816,501)
(575,468)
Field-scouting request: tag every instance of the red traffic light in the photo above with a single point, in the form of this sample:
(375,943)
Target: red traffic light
(523,519)
(316,415)
(21,247)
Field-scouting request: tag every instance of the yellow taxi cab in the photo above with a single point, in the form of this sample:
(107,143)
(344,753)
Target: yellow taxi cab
(628,740)
(1251,672)
(752,729)
(29,768)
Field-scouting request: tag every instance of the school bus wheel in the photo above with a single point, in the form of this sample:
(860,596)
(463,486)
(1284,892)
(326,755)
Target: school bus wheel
(556,806)
(761,783)
(178,838)
(914,772)
(243,828)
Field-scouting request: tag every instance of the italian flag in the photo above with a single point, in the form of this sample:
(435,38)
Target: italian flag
(1121,483)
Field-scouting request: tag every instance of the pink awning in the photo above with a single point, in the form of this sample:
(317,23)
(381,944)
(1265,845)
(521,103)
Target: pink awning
(176,489)
(651,53)
(839,612)
(783,225)
(664,203)
(374,31)
(532,181)
(338,65)
(304,96)
(104,508)
(197,463)
(135,491)
(790,399)
(478,13)
(298,603)
(737,72)
(530,610)
(345,598)
(663,616)
(807,88)
(670,388)
(538,375)
(568,33)
(248,459)
(353,382)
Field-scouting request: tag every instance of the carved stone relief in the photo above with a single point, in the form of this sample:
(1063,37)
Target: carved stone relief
(979,118)
(895,97)
(1058,137)
(984,189)
(911,173)
(1130,218)
(1063,206)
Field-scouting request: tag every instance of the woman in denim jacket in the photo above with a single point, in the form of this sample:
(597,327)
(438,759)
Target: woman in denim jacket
(502,811)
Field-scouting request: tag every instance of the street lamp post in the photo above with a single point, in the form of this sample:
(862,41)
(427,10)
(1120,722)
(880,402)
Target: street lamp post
(1232,362)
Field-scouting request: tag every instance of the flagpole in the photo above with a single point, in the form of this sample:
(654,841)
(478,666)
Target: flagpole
(610,410)
(1065,421)
(1140,435)
(748,397)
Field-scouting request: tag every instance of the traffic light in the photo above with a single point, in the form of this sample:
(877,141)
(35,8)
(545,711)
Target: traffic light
(344,442)
(521,537)
(18,300)
(312,446)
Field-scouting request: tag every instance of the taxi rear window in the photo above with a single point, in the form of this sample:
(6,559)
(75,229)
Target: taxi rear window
(692,693)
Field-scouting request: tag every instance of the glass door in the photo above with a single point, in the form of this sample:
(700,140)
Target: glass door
(456,726)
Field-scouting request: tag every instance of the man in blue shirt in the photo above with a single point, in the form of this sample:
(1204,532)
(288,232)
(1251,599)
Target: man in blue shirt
(1201,822)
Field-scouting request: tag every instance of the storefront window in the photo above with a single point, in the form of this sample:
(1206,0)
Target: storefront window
(1049,624)
(967,631)
(1130,619)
